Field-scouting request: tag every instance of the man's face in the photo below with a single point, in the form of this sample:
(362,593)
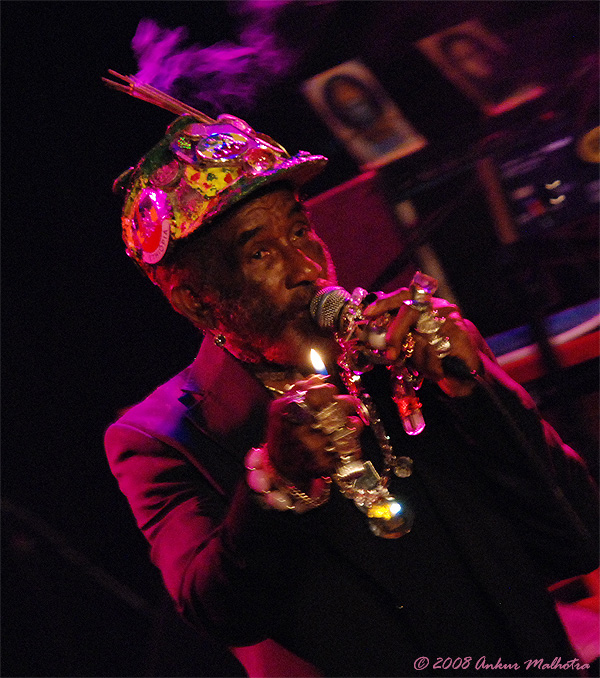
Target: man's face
(277,265)
(472,59)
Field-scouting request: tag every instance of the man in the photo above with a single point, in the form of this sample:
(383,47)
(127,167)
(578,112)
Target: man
(228,467)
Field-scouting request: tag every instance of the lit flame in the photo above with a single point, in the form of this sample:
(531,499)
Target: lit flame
(317,362)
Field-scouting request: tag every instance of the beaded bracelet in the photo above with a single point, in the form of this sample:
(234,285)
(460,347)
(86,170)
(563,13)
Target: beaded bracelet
(276,492)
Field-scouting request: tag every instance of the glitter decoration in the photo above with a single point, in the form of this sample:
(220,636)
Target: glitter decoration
(222,147)
(199,169)
(259,160)
(166,175)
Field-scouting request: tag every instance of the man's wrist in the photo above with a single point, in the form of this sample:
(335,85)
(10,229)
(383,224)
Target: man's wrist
(276,492)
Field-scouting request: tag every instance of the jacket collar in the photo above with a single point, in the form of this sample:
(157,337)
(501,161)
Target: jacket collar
(225,400)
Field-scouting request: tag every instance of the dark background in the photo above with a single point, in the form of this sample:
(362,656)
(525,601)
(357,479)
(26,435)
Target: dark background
(85,335)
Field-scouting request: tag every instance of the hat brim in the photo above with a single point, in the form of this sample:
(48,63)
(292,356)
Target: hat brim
(298,170)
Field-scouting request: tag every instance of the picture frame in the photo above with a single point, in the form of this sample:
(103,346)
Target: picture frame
(356,108)
(482,66)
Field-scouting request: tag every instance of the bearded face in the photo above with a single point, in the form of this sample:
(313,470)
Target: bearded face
(261,326)
(273,264)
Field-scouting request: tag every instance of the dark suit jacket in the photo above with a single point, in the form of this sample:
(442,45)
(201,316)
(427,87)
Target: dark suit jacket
(493,529)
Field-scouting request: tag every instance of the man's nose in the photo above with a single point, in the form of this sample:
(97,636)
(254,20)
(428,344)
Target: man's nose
(301,268)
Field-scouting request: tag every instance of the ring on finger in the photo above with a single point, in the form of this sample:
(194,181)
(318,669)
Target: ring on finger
(429,325)
(408,345)
(330,418)
(420,306)
(429,322)
(298,411)
(440,344)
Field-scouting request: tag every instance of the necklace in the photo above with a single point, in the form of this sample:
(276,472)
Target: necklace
(401,466)
(389,516)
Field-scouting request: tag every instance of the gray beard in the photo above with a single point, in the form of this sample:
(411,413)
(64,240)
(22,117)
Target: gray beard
(259,325)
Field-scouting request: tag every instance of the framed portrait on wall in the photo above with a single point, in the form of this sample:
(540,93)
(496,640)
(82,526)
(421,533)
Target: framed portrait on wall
(359,112)
(482,66)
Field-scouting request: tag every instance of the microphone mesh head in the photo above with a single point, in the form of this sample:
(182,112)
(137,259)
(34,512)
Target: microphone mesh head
(326,306)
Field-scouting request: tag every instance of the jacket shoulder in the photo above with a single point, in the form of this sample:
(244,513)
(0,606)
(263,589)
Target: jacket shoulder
(162,411)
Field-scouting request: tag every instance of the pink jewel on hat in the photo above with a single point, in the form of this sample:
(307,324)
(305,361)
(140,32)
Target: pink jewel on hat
(167,175)
(259,160)
(152,219)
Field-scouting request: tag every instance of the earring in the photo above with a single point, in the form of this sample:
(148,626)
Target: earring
(219,340)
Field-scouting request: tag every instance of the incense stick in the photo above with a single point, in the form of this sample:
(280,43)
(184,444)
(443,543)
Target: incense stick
(140,90)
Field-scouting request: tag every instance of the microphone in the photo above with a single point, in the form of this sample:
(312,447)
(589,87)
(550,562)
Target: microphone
(363,343)
(329,307)
(336,309)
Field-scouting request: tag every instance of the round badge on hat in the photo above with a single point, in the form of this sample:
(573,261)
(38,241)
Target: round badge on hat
(153,217)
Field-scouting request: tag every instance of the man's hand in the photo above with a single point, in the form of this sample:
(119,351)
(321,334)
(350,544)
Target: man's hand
(299,450)
(461,333)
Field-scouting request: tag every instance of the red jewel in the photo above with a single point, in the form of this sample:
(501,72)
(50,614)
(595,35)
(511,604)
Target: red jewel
(407,405)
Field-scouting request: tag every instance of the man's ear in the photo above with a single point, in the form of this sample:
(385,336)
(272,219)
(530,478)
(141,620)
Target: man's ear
(191,306)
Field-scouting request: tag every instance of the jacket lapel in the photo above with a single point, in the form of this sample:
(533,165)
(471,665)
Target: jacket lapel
(225,401)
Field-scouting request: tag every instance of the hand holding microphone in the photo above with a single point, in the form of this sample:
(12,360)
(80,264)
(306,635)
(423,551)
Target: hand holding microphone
(406,325)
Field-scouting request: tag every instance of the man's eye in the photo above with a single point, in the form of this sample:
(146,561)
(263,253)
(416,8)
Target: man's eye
(301,231)
(259,254)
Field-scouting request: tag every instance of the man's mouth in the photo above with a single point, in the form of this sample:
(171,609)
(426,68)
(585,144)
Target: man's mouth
(301,303)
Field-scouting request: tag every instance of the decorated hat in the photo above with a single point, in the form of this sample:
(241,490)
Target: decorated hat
(199,169)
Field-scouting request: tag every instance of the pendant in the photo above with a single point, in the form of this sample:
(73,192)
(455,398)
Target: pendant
(402,466)
(390,517)
(409,407)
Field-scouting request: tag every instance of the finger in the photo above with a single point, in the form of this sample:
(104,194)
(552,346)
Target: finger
(356,423)
(304,384)
(303,455)
(386,303)
(441,305)
(397,331)
(349,404)
(319,396)
(424,359)
(427,357)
